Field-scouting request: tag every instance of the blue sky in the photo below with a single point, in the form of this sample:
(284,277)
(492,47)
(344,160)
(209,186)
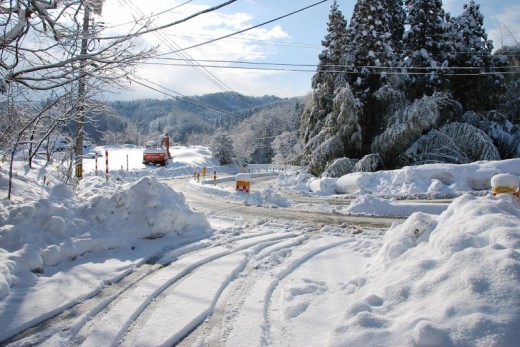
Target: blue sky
(292,40)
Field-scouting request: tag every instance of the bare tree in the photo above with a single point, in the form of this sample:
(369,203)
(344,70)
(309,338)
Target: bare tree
(61,51)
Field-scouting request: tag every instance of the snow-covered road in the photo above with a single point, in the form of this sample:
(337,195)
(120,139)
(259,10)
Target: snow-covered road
(253,282)
(209,203)
(119,263)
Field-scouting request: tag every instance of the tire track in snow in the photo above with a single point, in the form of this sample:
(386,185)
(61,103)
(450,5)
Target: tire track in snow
(112,326)
(251,322)
(285,272)
(216,330)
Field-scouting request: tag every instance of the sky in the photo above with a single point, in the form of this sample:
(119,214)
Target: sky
(295,39)
(441,277)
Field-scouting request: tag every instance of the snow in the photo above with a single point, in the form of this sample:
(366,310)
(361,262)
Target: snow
(505,180)
(447,275)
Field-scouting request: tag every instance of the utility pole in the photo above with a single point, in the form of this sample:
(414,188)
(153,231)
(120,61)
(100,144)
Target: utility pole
(80,120)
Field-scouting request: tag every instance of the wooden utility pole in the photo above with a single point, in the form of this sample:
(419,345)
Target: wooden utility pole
(80,120)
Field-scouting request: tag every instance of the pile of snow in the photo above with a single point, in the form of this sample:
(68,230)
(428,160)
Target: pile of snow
(429,181)
(267,197)
(444,280)
(62,225)
(374,206)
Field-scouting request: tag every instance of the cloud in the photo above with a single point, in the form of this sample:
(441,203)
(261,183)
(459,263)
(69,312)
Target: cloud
(201,80)
(506,30)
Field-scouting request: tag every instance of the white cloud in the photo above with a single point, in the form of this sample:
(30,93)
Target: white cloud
(506,28)
(189,81)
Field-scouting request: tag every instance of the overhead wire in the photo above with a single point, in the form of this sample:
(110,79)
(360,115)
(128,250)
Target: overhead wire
(250,28)
(348,69)
(186,57)
(150,16)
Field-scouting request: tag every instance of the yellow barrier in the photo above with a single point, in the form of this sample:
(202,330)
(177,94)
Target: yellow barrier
(243,181)
(503,190)
(243,186)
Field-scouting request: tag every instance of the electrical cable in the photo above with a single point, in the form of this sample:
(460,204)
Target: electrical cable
(380,69)
(186,57)
(247,29)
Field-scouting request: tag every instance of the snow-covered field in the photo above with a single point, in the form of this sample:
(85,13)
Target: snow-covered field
(116,253)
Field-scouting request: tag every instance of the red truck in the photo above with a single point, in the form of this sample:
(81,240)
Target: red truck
(155,153)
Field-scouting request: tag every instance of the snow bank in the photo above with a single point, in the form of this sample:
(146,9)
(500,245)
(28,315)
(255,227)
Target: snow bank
(35,235)
(301,181)
(441,280)
(374,206)
(430,181)
(433,180)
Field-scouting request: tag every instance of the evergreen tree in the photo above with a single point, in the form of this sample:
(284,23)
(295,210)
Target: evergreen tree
(397,18)
(425,47)
(373,45)
(334,41)
(222,148)
(326,78)
(472,85)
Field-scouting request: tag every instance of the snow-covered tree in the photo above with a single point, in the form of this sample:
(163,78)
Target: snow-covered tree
(373,45)
(222,148)
(472,84)
(327,76)
(457,143)
(409,123)
(510,101)
(425,47)
(287,147)
(334,41)
(504,133)
(253,138)
(339,136)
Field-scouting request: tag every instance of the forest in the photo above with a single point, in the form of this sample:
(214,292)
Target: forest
(406,85)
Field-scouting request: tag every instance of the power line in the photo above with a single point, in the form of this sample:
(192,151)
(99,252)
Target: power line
(374,70)
(150,16)
(247,29)
(336,65)
(186,57)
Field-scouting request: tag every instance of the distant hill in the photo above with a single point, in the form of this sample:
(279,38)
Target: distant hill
(213,108)
(180,116)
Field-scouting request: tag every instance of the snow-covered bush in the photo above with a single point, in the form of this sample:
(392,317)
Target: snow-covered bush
(326,152)
(410,123)
(457,143)
(340,167)
(369,163)
(505,134)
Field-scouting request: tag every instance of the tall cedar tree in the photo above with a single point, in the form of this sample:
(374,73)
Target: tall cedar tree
(373,44)
(425,47)
(473,88)
(335,40)
(324,81)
